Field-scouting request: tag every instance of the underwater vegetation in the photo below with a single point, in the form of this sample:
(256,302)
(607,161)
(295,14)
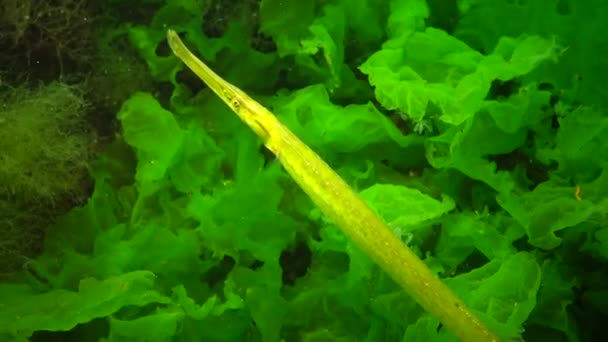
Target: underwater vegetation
(135,206)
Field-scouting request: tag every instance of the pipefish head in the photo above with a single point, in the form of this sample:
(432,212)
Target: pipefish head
(249,111)
(252,113)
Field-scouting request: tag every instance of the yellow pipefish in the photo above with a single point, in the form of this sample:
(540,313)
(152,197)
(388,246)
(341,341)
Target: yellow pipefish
(341,204)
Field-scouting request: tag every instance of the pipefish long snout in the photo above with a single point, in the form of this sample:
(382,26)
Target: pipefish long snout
(339,202)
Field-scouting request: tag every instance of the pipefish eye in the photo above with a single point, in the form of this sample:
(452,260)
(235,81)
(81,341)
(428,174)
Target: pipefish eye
(232,99)
(235,103)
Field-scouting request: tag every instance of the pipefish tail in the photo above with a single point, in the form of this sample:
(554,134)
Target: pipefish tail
(339,202)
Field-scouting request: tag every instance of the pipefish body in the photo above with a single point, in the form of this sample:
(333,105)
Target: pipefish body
(335,198)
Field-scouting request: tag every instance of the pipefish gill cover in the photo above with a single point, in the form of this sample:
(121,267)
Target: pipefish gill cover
(136,206)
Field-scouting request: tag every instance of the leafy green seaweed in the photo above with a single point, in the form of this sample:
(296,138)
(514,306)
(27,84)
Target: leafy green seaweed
(479,138)
(24,311)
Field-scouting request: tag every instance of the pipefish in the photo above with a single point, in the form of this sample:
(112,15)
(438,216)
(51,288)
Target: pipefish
(335,198)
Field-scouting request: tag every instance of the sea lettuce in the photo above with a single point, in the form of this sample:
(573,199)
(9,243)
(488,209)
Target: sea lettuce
(477,137)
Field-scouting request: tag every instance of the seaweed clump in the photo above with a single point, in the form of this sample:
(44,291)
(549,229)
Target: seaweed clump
(46,146)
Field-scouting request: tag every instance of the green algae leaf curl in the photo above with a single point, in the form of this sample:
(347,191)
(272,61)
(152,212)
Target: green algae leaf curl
(503,291)
(435,68)
(24,312)
(153,132)
(402,207)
